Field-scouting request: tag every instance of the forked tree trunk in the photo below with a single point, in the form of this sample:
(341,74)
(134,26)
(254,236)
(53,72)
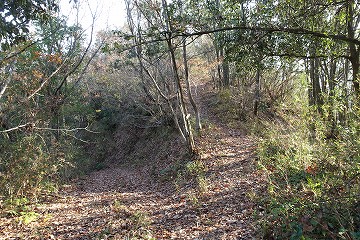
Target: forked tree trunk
(180,92)
(182,106)
(145,71)
(191,99)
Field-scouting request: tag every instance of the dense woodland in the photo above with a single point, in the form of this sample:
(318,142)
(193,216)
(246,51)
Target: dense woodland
(284,72)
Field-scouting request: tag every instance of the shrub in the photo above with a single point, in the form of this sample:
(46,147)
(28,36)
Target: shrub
(314,181)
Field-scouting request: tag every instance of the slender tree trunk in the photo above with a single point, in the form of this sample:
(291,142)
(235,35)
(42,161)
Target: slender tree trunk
(315,83)
(257,92)
(342,112)
(5,85)
(184,113)
(219,60)
(182,106)
(354,59)
(226,73)
(310,75)
(218,48)
(144,70)
(309,81)
(329,73)
(354,50)
(223,64)
(332,73)
(191,99)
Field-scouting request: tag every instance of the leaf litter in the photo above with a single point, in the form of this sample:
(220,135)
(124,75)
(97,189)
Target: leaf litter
(127,201)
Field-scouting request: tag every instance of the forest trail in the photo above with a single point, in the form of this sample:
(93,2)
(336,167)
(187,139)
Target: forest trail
(129,202)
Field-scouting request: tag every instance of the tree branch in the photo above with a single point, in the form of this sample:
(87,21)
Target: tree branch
(65,129)
(16,128)
(304,56)
(32,126)
(296,31)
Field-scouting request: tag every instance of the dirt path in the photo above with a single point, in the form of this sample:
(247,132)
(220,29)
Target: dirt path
(129,202)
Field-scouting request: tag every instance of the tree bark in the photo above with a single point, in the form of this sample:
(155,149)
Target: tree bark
(226,73)
(315,83)
(354,60)
(184,113)
(354,48)
(191,99)
(180,92)
(218,67)
(257,92)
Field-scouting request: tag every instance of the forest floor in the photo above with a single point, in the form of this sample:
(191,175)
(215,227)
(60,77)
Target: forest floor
(128,201)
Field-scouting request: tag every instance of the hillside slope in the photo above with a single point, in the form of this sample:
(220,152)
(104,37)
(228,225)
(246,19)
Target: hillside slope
(153,191)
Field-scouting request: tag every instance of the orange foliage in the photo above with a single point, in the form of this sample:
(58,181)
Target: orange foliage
(54,58)
(311,169)
(37,74)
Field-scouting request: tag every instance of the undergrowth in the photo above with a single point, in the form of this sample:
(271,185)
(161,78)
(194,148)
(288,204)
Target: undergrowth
(34,163)
(314,177)
(191,181)
(311,157)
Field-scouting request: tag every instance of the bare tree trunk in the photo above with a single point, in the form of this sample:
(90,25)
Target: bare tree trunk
(182,106)
(144,70)
(191,99)
(223,65)
(219,50)
(6,83)
(218,59)
(184,113)
(328,86)
(310,76)
(332,115)
(308,82)
(354,59)
(353,49)
(226,73)
(332,73)
(315,83)
(342,112)
(257,92)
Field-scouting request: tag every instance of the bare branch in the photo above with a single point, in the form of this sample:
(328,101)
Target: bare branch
(65,129)
(32,126)
(7,82)
(48,78)
(16,128)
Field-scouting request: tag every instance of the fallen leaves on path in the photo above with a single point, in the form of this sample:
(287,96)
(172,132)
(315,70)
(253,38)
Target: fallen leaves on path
(131,202)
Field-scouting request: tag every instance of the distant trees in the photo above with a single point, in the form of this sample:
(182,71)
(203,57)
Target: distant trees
(251,37)
(252,42)
(148,21)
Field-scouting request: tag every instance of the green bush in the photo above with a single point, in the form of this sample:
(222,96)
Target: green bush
(314,180)
(26,166)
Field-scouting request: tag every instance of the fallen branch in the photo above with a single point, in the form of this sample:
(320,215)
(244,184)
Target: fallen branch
(32,126)
(16,128)
(65,129)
